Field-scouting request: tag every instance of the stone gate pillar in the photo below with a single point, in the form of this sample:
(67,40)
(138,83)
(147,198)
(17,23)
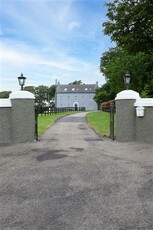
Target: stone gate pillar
(125,115)
(22,116)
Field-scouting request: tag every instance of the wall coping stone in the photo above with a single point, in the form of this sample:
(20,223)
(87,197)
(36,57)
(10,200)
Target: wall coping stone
(127,94)
(146,102)
(22,95)
(5,102)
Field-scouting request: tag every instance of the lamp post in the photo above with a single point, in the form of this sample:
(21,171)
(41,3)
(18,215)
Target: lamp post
(127,78)
(21,80)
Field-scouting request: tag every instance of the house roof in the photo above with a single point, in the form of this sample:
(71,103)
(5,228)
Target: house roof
(86,88)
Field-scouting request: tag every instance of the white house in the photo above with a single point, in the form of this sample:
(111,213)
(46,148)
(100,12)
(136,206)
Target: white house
(76,96)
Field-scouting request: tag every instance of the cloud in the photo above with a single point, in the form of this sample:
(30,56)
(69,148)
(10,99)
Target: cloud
(63,10)
(43,40)
(11,56)
(27,56)
(74,24)
(41,69)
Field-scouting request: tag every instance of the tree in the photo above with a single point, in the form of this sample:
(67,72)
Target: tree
(41,95)
(79,82)
(130,24)
(104,93)
(30,89)
(51,92)
(44,95)
(139,65)
(5,94)
(148,90)
(51,95)
(107,57)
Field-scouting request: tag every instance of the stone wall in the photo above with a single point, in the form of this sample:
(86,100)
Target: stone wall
(130,124)
(17,118)
(144,124)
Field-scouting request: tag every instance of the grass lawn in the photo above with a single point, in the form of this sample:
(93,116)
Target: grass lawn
(100,122)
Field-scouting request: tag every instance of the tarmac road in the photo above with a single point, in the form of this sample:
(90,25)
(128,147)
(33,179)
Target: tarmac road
(73,180)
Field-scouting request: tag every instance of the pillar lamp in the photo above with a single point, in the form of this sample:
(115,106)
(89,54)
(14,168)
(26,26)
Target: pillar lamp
(21,80)
(127,78)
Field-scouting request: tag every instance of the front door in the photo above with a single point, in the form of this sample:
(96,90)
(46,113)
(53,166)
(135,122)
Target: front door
(76,106)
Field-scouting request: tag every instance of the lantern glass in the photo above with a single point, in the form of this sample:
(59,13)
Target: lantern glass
(21,80)
(127,79)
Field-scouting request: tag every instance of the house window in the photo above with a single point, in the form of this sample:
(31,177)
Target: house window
(73,89)
(65,89)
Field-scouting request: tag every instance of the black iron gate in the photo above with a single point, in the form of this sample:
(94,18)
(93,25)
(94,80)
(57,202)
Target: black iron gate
(112,120)
(36,123)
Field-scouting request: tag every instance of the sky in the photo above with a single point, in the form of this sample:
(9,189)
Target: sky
(51,39)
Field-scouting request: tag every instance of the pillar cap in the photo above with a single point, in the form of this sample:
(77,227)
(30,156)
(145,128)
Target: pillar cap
(22,95)
(127,94)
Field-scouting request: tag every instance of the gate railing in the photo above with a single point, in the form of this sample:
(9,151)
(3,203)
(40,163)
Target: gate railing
(49,111)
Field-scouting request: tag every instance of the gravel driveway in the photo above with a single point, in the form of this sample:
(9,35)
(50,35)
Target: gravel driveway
(74,180)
